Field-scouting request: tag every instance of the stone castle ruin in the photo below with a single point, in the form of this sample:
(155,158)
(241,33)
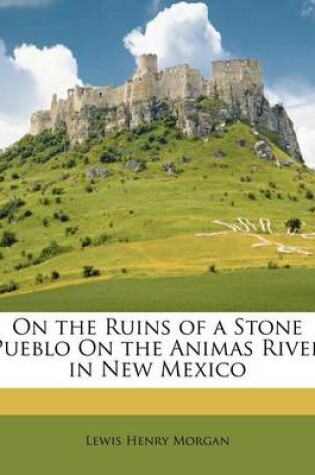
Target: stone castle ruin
(234,92)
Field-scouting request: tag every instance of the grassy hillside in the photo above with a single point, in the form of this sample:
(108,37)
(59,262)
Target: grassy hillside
(257,290)
(58,215)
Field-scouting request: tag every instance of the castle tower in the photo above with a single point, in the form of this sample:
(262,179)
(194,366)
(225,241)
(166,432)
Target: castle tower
(243,74)
(239,83)
(148,63)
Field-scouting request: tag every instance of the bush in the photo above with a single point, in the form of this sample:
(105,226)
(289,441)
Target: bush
(55,275)
(39,279)
(70,163)
(246,179)
(86,242)
(49,252)
(309,195)
(108,158)
(251,196)
(61,216)
(90,271)
(71,231)
(89,188)
(102,239)
(293,225)
(58,191)
(11,206)
(162,140)
(28,213)
(8,239)
(36,187)
(8,288)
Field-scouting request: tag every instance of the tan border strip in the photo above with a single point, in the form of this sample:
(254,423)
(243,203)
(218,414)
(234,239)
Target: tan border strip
(157,401)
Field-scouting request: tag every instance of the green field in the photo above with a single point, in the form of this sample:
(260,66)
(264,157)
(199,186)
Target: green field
(150,225)
(256,290)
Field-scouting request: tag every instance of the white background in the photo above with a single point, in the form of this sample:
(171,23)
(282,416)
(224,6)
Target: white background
(54,372)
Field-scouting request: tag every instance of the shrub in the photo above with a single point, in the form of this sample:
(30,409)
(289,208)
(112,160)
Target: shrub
(70,163)
(90,271)
(8,239)
(45,201)
(61,216)
(89,188)
(101,239)
(28,213)
(36,187)
(11,206)
(309,195)
(293,225)
(86,242)
(71,231)
(213,269)
(162,140)
(108,158)
(39,279)
(146,146)
(8,288)
(58,191)
(49,252)
(54,275)
(251,196)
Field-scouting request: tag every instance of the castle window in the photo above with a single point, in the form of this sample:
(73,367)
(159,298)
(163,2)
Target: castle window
(101,94)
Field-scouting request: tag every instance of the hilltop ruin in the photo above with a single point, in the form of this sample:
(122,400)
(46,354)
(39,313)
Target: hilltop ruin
(200,106)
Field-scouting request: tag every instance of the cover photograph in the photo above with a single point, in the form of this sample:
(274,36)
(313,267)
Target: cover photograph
(157,236)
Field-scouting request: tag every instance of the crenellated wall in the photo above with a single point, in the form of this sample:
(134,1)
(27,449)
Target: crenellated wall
(231,79)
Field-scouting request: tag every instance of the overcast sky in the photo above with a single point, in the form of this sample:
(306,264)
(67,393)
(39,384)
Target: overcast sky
(48,45)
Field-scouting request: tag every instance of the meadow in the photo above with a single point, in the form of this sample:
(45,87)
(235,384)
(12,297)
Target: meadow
(241,291)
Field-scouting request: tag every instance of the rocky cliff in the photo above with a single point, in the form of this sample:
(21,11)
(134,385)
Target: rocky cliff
(195,118)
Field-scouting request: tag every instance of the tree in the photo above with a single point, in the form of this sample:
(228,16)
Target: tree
(293,225)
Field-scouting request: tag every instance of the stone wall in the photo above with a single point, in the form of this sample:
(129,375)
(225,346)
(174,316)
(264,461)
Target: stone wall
(235,75)
(230,80)
(40,121)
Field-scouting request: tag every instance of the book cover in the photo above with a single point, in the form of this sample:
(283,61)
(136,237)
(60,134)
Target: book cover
(157,236)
